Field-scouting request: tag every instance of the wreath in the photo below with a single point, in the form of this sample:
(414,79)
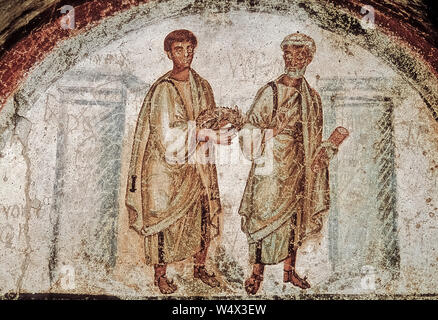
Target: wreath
(219,117)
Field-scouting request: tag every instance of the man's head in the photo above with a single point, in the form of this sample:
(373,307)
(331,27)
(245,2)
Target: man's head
(180,47)
(298,51)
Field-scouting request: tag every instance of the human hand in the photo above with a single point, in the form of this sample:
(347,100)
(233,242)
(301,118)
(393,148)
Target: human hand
(321,161)
(326,152)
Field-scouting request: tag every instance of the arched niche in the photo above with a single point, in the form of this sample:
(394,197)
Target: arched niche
(67,133)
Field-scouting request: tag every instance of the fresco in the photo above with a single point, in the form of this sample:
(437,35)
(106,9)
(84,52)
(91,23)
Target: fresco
(177,151)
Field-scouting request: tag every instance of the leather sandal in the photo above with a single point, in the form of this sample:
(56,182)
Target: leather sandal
(292,277)
(165,285)
(200,272)
(252,284)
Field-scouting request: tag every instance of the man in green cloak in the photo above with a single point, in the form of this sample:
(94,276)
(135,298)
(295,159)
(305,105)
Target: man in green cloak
(283,206)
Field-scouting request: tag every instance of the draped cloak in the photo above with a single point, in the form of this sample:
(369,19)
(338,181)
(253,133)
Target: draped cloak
(171,176)
(283,204)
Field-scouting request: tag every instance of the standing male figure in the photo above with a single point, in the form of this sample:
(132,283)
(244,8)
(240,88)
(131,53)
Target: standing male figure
(280,209)
(172,191)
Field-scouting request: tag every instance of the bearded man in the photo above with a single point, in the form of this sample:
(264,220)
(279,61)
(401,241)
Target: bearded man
(172,189)
(281,208)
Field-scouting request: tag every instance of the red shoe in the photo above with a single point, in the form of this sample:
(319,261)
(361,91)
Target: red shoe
(292,277)
(200,272)
(253,283)
(165,285)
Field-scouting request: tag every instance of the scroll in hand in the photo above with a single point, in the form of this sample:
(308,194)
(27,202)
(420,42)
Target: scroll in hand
(329,148)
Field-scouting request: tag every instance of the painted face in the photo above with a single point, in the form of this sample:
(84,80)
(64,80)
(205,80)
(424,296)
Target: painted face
(296,57)
(181,54)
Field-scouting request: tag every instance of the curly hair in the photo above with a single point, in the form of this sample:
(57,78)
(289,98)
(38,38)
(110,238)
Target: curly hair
(179,36)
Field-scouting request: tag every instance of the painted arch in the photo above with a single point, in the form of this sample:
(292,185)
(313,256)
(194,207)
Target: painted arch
(392,81)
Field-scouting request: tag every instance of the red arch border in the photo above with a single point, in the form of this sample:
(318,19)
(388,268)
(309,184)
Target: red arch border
(34,47)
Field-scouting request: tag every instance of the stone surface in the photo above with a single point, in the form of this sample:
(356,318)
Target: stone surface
(66,136)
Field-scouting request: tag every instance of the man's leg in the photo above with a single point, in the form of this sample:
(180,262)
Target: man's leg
(199,270)
(253,283)
(165,285)
(289,274)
